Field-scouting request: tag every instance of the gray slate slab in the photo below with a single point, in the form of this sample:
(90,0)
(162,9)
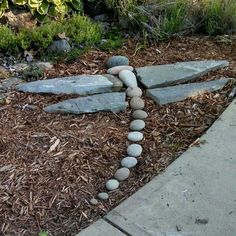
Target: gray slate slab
(81,85)
(180,92)
(114,102)
(172,74)
(195,196)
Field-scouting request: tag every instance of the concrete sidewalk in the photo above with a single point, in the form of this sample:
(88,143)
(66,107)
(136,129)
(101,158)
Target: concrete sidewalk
(195,196)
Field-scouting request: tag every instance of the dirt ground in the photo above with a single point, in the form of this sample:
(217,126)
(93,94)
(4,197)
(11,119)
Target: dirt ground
(42,190)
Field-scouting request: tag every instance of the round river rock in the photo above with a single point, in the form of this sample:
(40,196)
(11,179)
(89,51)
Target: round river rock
(117,61)
(134,150)
(117,69)
(112,184)
(140,114)
(103,196)
(134,92)
(122,174)
(135,136)
(136,103)
(137,125)
(94,201)
(128,78)
(129,162)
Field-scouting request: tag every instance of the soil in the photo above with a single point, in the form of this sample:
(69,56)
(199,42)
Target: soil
(44,190)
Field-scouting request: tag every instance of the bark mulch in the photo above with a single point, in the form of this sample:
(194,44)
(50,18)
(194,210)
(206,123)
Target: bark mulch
(51,165)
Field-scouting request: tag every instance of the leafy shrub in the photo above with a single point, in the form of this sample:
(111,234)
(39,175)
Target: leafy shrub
(79,29)
(7,38)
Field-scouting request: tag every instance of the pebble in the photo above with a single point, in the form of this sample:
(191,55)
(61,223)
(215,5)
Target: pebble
(59,46)
(94,201)
(134,150)
(112,184)
(137,125)
(128,78)
(134,92)
(103,196)
(135,136)
(122,174)
(129,162)
(137,103)
(140,115)
(117,61)
(117,69)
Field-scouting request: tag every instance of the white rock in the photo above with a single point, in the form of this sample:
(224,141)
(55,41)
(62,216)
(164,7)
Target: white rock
(103,196)
(137,103)
(122,174)
(135,136)
(128,78)
(117,69)
(112,184)
(94,201)
(137,125)
(129,162)
(134,150)
(140,114)
(134,92)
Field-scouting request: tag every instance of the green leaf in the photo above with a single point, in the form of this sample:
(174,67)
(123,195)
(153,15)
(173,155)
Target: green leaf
(77,5)
(20,2)
(43,9)
(34,3)
(52,11)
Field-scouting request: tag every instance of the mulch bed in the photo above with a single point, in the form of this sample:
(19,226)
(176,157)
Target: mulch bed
(42,190)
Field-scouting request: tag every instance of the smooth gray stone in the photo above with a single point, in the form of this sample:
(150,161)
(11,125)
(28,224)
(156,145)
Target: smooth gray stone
(117,69)
(137,125)
(137,103)
(81,84)
(129,162)
(94,201)
(128,78)
(172,74)
(122,174)
(134,150)
(114,102)
(103,196)
(134,92)
(117,61)
(59,46)
(135,136)
(180,92)
(139,114)
(112,184)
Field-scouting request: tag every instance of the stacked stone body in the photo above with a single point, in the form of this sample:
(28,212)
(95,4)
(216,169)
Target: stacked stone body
(119,66)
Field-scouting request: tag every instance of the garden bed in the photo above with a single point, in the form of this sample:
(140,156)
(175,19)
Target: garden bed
(50,191)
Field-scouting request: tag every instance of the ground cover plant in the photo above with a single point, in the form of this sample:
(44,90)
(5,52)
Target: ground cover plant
(79,30)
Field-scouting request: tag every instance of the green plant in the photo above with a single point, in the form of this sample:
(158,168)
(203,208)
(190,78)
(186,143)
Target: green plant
(79,29)
(43,233)
(113,39)
(41,8)
(82,30)
(219,17)
(7,39)
(32,73)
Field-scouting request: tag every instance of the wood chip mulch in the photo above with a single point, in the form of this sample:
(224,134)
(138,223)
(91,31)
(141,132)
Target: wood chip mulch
(51,165)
